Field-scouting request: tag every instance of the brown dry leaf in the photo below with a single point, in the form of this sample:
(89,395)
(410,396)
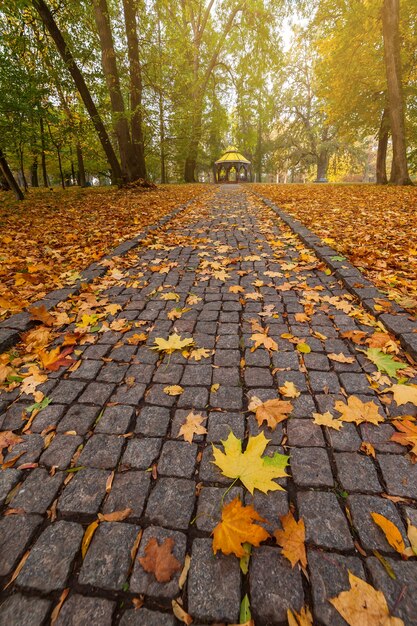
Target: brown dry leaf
(159,560)
(185,570)
(236,289)
(362,604)
(57,609)
(303,618)
(18,569)
(109,481)
(88,535)
(180,614)
(237,527)
(173,390)
(368,449)
(412,538)
(192,426)
(272,411)
(116,516)
(291,538)
(357,336)
(289,390)
(301,317)
(407,435)
(327,419)
(341,358)
(8,440)
(403,394)
(137,338)
(391,532)
(358,412)
(41,314)
(262,339)
(138,602)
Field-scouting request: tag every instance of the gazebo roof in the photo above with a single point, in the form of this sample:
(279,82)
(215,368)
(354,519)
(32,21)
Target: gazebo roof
(232,156)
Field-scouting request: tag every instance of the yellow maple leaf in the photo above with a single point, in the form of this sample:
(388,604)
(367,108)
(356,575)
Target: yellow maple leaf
(175,314)
(197,354)
(174,342)
(173,390)
(407,435)
(403,394)
(192,426)
(137,338)
(303,618)
(327,419)
(193,299)
(255,471)
(341,358)
(391,532)
(289,390)
(262,339)
(237,527)
(362,604)
(357,411)
(272,411)
(236,289)
(291,539)
(170,295)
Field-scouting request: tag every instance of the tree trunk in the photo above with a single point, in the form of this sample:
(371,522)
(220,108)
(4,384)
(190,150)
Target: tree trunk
(22,170)
(8,175)
(138,164)
(322,166)
(81,85)
(392,55)
(58,151)
(108,61)
(43,157)
(195,136)
(34,180)
(381,156)
(81,169)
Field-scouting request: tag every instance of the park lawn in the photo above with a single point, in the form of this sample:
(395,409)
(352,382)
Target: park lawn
(48,238)
(375,227)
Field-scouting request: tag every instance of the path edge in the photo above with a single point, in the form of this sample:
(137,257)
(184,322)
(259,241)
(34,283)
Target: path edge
(13,326)
(353,280)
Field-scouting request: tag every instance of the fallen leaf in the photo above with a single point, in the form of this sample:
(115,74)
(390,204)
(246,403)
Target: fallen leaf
(368,449)
(55,359)
(215,387)
(173,390)
(407,435)
(262,339)
(174,342)
(57,609)
(41,314)
(238,526)
(185,570)
(88,535)
(341,358)
(136,339)
(289,390)
(236,289)
(303,618)
(159,560)
(291,538)
(385,362)
(327,419)
(272,411)
(357,336)
(198,353)
(116,516)
(192,426)
(303,347)
(180,614)
(391,532)
(357,411)
(255,471)
(362,604)
(8,440)
(403,394)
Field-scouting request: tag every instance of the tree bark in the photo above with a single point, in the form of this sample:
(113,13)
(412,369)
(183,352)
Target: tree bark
(381,156)
(135,74)
(43,157)
(322,165)
(392,56)
(34,180)
(8,175)
(81,169)
(111,74)
(81,85)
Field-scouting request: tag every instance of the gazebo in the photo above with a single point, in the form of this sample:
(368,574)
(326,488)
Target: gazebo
(232,167)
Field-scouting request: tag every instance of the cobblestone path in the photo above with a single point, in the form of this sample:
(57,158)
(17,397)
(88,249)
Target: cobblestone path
(132,456)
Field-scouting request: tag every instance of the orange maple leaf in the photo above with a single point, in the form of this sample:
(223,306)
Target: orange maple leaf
(159,559)
(238,527)
(291,539)
(407,435)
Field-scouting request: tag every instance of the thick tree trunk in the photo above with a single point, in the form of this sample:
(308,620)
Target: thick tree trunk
(322,166)
(8,175)
(34,180)
(195,136)
(22,170)
(108,61)
(381,156)
(392,55)
(135,73)
(43,157)
(81,85)
(81,169)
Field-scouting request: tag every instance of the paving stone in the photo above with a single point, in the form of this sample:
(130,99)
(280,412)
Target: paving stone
(171,502)
(169,374)
(329,577)
(129,491)
(60,451)
(199,374)
(229,376)
(88,369)
(357,472)
(19,610)
(193,397)
(346,439)
(228,398)
(258,358)
(355,384)
(84,493)
(141,453)
(108,559)
(210,502)
(379,436)
(156,395)
(122,354)
(145,617)
(49,416)
(326,382)
(115,420)
(258,377)
(79,418)
(145,582)
(400,476)
(8,479)
(37,491)
(101,451)
(221,424)
(303,406)
(129,395)
(15,534)
(96,393)
(112,373)
(302,432)
(370,535)
(326,525)
(49,562)
(314,361)
(310,467)
(80,610)
(208,472)
(226,358)
(178,458)
(28,451)
(15,416)
(153,421)
(95,352)
(67,391)
(274,586)
(141,372)
(401,593)
(208,578)
(270,506)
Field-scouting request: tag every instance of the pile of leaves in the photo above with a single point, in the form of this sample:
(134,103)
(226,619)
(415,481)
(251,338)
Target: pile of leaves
(373,226)
(51,236)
